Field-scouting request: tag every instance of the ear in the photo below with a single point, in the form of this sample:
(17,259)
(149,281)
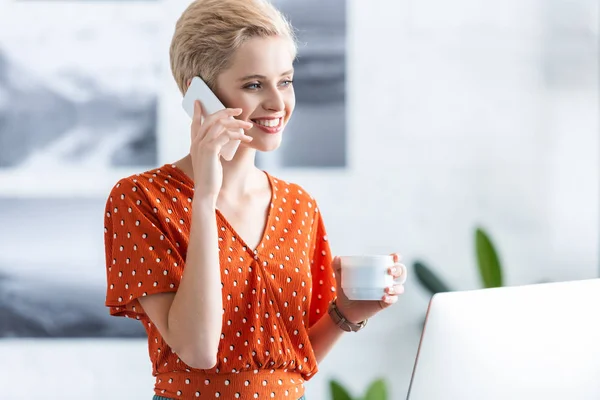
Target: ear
(188,83)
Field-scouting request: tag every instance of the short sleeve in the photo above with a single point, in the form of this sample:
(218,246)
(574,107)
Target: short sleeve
(140,258)
(323,276)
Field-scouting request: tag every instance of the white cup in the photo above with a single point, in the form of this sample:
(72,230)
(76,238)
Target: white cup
(366,277)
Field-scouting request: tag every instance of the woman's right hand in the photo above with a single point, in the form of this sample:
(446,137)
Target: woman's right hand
(209,135)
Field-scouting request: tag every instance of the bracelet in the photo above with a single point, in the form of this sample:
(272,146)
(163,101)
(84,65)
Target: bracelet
(341,321)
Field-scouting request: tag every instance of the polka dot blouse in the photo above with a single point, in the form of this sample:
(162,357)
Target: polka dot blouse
(272,295)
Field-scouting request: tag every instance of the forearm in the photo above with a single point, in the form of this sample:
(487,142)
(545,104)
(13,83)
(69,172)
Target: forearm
(323,335)
(195,316)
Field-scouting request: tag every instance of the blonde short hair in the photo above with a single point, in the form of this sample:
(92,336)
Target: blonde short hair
(209,31)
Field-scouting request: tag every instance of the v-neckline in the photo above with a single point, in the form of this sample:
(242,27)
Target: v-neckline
(226,222)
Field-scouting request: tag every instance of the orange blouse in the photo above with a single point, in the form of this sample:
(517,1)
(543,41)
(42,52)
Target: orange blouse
(272,295)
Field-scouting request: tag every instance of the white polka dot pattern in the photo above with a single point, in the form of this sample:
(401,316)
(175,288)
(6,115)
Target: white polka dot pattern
(272,294)
(141,259)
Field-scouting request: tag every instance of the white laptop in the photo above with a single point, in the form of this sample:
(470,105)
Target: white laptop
(528,342)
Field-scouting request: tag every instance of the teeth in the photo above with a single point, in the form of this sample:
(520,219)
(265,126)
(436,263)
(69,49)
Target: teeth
(268,122)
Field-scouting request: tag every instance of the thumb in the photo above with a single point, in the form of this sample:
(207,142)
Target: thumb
(336,264)
(197,118)
(197,108)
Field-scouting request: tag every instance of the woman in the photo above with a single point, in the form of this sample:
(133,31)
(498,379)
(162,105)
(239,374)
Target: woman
(228,267)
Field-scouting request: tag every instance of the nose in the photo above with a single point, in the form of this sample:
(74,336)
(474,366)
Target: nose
(274,100)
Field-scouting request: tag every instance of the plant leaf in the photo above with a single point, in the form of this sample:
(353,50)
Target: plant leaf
(377,391)
(429,279)
(487,258)
(338,392)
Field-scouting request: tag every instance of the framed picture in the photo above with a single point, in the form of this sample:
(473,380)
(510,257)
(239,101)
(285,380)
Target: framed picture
(316,136)
(78,95)
(52,271)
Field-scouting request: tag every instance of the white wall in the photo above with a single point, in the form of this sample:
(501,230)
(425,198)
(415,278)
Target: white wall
(452,123)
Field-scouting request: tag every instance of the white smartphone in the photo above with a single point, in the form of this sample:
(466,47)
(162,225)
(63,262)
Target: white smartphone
(199,90)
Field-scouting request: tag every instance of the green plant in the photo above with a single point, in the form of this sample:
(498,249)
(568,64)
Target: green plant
(489,267)
(377,390)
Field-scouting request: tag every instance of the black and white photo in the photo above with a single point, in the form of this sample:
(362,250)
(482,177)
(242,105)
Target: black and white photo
(78,90)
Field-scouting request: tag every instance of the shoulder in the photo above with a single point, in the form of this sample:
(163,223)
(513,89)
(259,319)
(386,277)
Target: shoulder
(151,183)
(294,192)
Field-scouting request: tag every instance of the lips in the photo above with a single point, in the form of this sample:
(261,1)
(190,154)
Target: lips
(268,122)
(269,125)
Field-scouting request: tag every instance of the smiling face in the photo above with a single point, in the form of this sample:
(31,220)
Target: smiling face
(259,81)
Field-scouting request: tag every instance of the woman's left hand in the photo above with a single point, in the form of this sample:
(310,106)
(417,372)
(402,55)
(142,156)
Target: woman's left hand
(359,310)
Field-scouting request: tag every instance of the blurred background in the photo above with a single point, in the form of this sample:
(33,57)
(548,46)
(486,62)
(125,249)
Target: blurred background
(418,121)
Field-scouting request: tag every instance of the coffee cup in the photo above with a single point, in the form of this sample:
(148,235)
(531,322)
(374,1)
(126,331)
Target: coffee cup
(366,277)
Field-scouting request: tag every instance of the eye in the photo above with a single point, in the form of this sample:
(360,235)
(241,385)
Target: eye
(287,82)
(253,86)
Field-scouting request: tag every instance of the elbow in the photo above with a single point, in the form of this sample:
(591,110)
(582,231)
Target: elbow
(201,362)
(199,358)
(199,353)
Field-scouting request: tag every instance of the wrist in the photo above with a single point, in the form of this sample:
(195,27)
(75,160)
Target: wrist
(342,320)
(348,313)
(207,203)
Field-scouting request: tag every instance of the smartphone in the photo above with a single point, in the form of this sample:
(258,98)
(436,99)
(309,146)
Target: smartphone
(199,90)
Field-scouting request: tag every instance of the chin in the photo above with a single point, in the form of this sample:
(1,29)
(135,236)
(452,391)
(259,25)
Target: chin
(266,143)
(267,147)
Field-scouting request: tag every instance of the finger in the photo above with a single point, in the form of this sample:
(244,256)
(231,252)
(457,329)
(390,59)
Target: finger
(209,121)
(394,290)
(337,264)
(222,125)
(399,272)
(198,109)
(223,137)
(231,123)
(219,126)
(223,114)
(196,119)
(388,300)
(397,257)
(229,135)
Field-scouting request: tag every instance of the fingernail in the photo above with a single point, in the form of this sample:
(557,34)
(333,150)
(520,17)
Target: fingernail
(391,290)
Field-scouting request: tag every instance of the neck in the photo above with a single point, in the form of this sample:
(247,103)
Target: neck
(240,175)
